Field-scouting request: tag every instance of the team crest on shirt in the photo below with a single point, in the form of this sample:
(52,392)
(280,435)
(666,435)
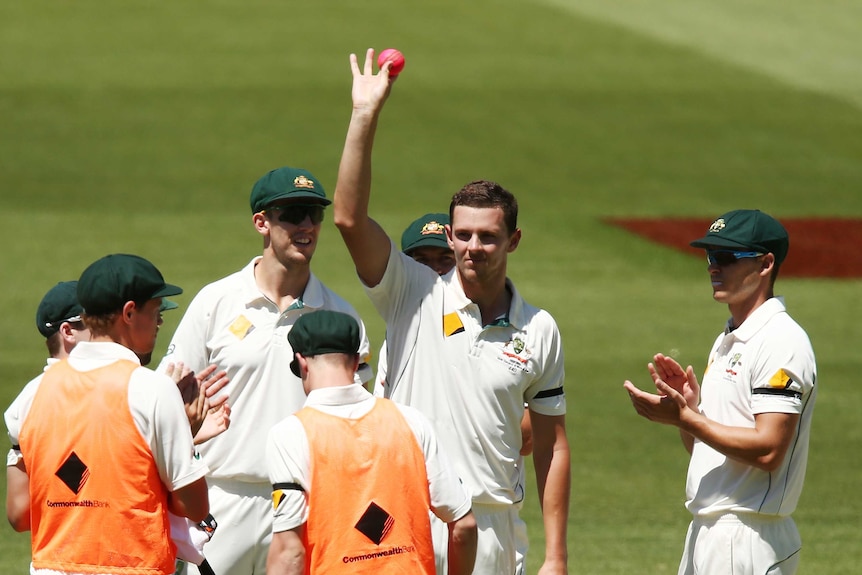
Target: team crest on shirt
(515,355)
(733,363)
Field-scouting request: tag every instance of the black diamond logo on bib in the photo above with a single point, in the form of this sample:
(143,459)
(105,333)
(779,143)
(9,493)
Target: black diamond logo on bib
(375,523)
(73,473)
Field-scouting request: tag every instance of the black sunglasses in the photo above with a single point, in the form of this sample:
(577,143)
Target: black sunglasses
(728,257)
(296,213)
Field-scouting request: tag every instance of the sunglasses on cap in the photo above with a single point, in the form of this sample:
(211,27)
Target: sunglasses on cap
(728,257)
(73,319)
(296,213)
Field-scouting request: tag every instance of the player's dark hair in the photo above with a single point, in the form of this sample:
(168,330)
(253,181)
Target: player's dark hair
(487,194)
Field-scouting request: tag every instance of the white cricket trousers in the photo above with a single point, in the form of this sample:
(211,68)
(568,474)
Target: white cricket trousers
(741,544)
(502,546)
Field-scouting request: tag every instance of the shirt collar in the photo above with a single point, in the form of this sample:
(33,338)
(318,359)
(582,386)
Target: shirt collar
(334,396)
(105,351)
(758,318)
(312,296)
(516,316)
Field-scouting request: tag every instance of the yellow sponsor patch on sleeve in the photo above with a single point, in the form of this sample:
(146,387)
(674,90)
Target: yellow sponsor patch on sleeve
(240,327)
(277,498)
(780,380)
(452,324)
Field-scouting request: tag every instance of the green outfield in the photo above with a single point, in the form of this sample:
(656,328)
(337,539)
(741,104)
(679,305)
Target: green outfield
(140,127)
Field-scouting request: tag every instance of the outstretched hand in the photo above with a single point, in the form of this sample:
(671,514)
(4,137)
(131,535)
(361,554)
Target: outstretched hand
(369,90)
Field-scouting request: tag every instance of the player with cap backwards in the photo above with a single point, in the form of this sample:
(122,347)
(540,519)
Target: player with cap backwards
(58,319)
(747,425)
(101,491)
(465,348)
(332,466)
(241,323)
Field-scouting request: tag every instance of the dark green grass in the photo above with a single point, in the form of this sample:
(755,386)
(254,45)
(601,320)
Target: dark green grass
(141,127)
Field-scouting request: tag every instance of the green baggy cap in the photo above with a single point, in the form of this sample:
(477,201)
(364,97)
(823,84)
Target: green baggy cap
(286,183)
(59,304)
(108,283)
(747,230)
(425,231)
(323,331)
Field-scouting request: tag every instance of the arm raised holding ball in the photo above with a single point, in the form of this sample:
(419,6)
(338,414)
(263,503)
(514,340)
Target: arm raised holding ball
(365,239)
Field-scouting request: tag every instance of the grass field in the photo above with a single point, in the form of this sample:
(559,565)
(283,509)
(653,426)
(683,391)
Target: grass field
(140,127)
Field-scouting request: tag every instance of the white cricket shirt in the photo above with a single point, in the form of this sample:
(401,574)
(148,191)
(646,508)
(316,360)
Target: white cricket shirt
(232,324)
(471,380)
(766,365)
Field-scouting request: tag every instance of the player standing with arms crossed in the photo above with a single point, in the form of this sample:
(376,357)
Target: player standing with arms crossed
(465,349)
(240,323)
(747,427)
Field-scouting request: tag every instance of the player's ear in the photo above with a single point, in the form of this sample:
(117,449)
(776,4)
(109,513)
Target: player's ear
(128,311)
(514,240)
(261,224)
(767,262)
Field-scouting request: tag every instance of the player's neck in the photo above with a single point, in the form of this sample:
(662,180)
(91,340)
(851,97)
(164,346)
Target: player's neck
(493,302)
(282,285)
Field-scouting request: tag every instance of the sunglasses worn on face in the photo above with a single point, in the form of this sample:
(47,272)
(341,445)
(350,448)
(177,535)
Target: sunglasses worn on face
(296,213)
(728,257)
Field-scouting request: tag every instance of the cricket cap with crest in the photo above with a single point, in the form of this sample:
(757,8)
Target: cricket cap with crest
(746,230)
(286,183)
(427,230)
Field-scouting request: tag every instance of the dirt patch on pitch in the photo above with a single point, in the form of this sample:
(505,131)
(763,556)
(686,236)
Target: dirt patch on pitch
(819,247)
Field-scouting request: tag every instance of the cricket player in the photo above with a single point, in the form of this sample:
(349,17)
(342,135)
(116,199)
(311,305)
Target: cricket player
(332,466)
(465,348)
(747,426)
(240,323)
(101,492)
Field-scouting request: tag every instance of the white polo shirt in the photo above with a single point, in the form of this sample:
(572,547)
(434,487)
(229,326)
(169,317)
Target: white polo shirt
(289,459)
(766,365)
(469,379)
(154,402)
(232,324)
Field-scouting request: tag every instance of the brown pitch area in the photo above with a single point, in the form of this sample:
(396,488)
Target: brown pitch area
(819,247)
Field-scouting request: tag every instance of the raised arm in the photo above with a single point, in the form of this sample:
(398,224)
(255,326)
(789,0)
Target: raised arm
(366,241)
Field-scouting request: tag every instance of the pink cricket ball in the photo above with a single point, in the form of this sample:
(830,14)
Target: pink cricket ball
(394,56)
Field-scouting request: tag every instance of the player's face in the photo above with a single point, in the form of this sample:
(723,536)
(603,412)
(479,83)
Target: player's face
(739,283)
(145,326)
(481,243)
(441,260)
(293,229)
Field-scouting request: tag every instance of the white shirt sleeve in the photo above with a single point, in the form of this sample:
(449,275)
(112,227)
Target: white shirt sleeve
(157,408)
(288,461)
(449,499)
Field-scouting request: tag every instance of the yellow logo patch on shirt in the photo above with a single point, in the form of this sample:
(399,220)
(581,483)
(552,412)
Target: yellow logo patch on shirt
(240,327)
(452,324)
(277,498)
(780,380)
